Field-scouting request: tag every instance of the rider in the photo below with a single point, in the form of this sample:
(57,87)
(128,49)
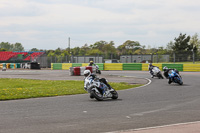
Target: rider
(150,69)
(91,77)
(92,63)
(166,73)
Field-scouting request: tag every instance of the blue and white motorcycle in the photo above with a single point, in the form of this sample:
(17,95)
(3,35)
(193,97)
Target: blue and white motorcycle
(175,77)
(99,90)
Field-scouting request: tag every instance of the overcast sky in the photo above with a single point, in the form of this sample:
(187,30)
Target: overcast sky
(47,24)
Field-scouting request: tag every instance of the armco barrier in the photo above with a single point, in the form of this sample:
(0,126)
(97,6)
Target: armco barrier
(191,67)
(113,66)
(132,66)
(125,66)
(76,64)
(158,65)
(85,64)
(145,66)
(101,66)
(66,66)
(175,66)
(56,66)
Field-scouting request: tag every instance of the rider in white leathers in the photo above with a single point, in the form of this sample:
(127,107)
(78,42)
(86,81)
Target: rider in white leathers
(151,68)
(89,77)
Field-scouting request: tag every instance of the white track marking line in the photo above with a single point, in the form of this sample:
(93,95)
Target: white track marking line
(147,128)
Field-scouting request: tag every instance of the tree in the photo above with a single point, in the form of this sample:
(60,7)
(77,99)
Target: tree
(18,47)
(109,49)
(99,45)
(170,46)
(12,47)
(129,47)
(34,49)
(181,43)
(2,49)
(195,43)
(6,46)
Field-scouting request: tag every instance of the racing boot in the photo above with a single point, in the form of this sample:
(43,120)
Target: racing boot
(170,81)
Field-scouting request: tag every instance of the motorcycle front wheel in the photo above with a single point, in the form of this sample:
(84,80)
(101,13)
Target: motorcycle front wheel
(114,94)
(98,96)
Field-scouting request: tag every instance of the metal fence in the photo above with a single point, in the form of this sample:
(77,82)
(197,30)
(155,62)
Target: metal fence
(185,57)
(45,61)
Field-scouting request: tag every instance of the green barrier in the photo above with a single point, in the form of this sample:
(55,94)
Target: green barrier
(179,67)
(12,65)
(57,66)
(132,66)
(101,66)
(4,64)
(18,65)
(76,64)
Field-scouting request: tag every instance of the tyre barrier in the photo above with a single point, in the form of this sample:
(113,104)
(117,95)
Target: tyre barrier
(79,71)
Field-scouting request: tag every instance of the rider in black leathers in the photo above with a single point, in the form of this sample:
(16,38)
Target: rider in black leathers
(166,73)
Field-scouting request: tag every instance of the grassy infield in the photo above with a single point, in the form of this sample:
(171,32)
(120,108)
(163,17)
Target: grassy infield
(26,88)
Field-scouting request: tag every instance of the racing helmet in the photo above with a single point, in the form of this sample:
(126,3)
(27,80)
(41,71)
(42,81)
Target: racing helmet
(150,64)
(87,73)
(165,68)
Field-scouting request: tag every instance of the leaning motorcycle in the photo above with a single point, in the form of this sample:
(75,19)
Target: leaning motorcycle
(157,72)
(97,69)
(176,78)
(99,90)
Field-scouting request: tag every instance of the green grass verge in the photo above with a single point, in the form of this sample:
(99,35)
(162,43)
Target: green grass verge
(27,88)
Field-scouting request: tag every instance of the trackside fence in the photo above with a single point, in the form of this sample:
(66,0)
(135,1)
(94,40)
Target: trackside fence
(127,66)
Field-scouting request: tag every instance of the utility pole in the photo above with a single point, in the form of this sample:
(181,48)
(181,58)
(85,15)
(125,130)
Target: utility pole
(69,44)
(69,49)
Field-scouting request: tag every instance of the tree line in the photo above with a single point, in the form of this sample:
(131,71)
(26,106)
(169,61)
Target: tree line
(181,44)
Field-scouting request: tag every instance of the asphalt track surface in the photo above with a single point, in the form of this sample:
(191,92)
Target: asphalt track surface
(153,105)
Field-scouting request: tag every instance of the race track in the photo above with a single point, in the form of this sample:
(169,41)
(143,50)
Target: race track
(153,105)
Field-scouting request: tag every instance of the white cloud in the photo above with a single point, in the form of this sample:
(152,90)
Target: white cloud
(38,23)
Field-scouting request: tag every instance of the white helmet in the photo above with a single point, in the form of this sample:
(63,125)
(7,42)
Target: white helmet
(87,73)
(165,68)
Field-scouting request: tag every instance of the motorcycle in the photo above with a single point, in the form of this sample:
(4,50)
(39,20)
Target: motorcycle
(97,69)
(176,78)
(99,90)
(157,73)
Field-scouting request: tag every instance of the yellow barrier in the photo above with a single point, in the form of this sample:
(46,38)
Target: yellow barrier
(66,66)
(51,66)
(158,65)
(85,64)
(1,66)
(113,66)
(8,65)
(191,67)
(145,66)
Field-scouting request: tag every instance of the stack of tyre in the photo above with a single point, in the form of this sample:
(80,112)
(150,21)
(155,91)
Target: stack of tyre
(78,71)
